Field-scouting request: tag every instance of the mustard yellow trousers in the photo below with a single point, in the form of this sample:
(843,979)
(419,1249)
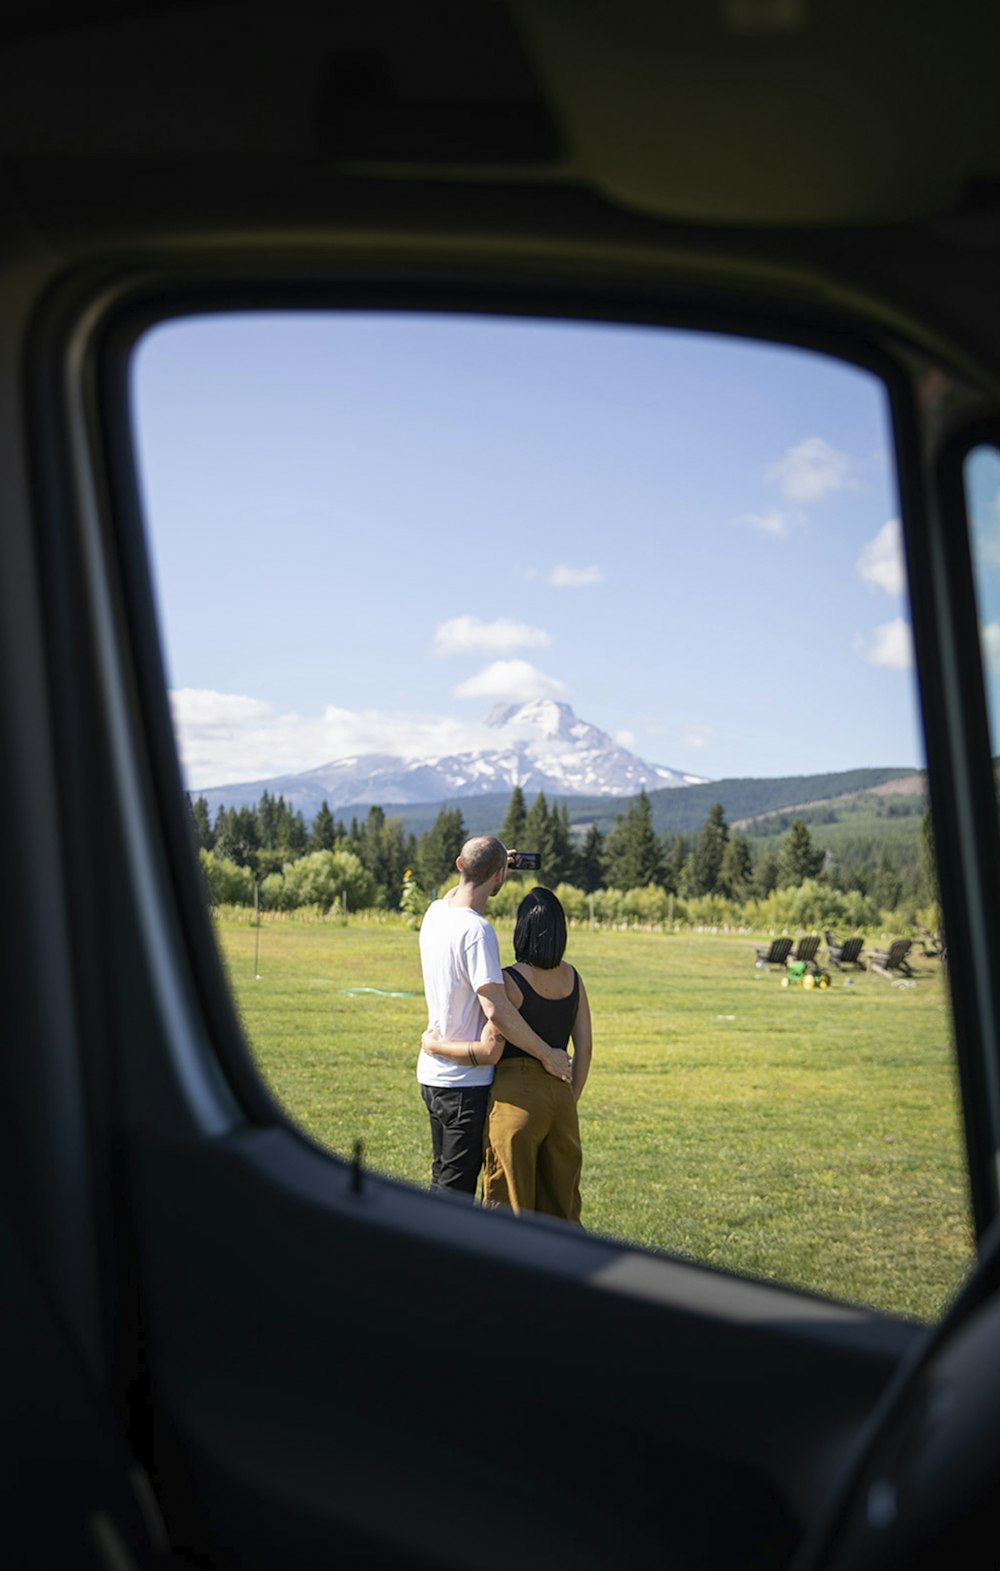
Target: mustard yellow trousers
(532,1155)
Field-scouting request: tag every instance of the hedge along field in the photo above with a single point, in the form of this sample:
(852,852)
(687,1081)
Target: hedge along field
(811,1137)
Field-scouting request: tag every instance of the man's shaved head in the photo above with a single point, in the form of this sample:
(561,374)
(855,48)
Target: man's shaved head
(481,858)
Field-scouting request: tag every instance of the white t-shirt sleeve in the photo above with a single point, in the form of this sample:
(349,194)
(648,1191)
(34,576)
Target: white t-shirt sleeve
(482,957)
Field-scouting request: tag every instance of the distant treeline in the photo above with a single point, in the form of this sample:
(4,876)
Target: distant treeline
(683,810)
(364,863)
(675,809)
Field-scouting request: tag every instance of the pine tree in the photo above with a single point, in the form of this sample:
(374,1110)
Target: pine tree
(736,871)
(538,835)
(267,822)
(677,851)
(386,852)
(438,848)
(512,833)
(323,835)
(632,851)
(766,873)
(281,822)
(222,838)
(372,850)
(236,837)
(888,887)
(799,859)
(204,837)
(249,836)
(706,859)
(298,835)
(563,860)
(590,872)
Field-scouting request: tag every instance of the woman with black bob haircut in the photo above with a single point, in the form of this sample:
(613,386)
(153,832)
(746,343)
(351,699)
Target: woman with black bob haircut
(532,1156)
(540,930)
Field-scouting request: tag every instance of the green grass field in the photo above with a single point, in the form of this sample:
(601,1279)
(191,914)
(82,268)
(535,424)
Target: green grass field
(811,1137)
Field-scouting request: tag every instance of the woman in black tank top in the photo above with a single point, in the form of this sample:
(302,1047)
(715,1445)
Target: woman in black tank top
(532,1156)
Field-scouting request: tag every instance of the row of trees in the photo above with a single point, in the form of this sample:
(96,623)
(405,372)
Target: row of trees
(718,861)
(366,862)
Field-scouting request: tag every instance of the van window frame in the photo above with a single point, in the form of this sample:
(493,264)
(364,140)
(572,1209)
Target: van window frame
(92,326)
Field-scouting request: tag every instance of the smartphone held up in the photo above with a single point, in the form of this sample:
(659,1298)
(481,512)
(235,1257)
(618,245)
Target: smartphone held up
(524,861)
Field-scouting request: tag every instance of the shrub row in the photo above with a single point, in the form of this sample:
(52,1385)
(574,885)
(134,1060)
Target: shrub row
(334,882)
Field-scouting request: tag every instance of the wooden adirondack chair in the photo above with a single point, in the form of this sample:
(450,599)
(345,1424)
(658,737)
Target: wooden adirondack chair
(775,954)
(892,961)
(846,954)
(805,950)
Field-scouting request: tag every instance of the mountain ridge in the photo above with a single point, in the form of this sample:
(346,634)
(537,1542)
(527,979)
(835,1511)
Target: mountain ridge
(542,745)
(744,799)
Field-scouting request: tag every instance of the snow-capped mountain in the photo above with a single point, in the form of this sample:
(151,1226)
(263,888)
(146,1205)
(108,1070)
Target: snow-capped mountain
(540,746)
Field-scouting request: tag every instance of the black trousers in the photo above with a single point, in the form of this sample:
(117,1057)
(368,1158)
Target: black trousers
(457,1115)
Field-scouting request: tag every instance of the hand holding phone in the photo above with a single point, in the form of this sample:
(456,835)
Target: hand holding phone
(524,861)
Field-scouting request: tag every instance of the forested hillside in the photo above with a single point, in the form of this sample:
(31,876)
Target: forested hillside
(679,811)
(854,860)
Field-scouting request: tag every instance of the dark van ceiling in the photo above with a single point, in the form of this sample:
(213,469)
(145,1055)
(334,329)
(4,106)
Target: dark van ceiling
(861,136)
(721,111)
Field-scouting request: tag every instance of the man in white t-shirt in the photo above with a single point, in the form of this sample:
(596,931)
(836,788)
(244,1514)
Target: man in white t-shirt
(463,983)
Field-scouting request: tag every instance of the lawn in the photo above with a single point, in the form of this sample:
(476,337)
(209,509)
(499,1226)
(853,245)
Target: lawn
(812,1137)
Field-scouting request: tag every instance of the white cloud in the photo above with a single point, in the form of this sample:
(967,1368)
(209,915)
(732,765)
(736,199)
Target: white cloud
(697,736)
(463,633)
(225,737)
(514,681)
(811,470)
(989,638)
(625,738)
(893,645)
(563,577)
(223,713)
(881,561)
(771,523)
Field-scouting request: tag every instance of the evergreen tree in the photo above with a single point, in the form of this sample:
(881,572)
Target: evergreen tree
(676,853)
(386,851)
(512,833)
(859,874)
(590,868)
(280,822)
(249,835)
(323,835)
(204,837)
(563,865)
(632,851)
(888,887)
(766,873)
(221,837)
(236,837)
(705,867)
(736,871)
(372,847)
(538,835)
(438,848)
(267,822)
(799,859)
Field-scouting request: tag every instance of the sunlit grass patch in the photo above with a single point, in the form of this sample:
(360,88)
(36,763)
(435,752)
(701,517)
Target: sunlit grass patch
(808,1136)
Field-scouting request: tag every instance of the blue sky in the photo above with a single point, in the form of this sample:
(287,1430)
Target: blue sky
(368,529)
